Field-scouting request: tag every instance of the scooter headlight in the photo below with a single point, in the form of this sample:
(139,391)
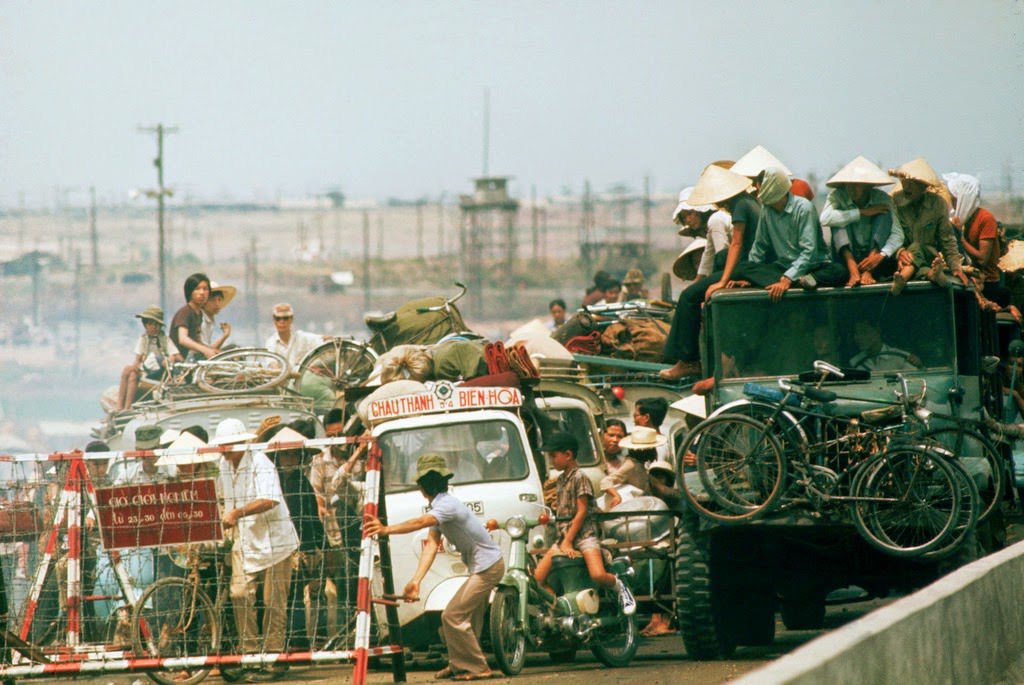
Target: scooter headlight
(515,527)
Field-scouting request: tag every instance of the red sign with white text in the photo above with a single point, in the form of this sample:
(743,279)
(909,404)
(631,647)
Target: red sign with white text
(159,514)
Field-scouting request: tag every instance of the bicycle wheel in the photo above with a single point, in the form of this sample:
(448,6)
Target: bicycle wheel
(175,618)
(342,362)
(967,519)
(246,369)
(967,444)
(740,468)
(906,500)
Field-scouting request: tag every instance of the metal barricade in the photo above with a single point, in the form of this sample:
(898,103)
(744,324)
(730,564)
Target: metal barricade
(130,561)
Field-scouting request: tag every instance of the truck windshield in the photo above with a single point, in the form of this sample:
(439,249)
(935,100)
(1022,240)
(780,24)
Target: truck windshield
(869,329)
(475,451)
(577,422)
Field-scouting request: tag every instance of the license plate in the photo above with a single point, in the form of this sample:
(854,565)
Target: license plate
(476,507)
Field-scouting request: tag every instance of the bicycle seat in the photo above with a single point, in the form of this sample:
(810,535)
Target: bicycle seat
(381,321)
(823,396)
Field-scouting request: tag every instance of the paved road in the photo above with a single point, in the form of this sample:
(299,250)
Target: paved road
(660,661)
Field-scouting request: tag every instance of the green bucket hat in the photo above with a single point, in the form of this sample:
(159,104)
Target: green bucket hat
(147,437)
(432,462)
(153,313)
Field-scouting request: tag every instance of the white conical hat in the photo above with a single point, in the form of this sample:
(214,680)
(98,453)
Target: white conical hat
(685,266)
(918,170)
(717,184)
(860,170)
(756,161)
(685,206)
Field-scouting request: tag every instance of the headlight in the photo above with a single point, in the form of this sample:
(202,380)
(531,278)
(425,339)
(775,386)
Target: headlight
(515,527)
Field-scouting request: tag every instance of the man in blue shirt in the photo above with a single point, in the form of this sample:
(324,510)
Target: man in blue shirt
(462,619)
(789,247)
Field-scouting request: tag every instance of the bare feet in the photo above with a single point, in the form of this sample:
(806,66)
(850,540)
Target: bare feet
(937,272)
(899,282)
(679,370)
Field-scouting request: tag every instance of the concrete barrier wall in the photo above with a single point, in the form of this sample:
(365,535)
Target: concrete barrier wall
(967,627)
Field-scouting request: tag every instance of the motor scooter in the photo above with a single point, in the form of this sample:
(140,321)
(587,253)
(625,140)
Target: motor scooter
(525,615)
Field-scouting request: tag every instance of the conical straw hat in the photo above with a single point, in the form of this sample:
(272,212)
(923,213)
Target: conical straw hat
(756,161)
(860,170)
(1013,260)
(717,184)
(919,170)
(685,266)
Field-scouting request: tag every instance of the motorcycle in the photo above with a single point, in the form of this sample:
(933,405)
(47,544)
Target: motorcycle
(526,615)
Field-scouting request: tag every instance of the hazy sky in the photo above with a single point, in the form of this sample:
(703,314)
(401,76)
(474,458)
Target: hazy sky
(385,99)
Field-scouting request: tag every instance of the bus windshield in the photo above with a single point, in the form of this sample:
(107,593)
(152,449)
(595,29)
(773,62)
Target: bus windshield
(474,451)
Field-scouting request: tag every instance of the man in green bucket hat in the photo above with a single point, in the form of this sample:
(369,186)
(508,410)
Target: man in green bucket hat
(462,619)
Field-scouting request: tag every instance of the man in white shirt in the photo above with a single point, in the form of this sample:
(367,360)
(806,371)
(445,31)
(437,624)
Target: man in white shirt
(293,345)
(264,538)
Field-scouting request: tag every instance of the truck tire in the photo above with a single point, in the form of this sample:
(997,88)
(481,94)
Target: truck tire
(699,617)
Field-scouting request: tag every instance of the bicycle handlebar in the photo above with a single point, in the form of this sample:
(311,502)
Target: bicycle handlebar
(447,303)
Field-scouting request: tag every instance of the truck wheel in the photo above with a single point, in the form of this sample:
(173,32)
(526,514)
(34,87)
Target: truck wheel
(699,617)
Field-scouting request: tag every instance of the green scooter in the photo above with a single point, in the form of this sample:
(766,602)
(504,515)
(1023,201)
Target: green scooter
(525,615)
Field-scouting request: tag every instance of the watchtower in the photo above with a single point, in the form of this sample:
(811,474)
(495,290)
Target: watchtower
(487,237)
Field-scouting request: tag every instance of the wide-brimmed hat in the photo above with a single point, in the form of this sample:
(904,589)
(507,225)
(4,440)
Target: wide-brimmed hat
(717,184)
(633,277)
(152,313)
(147,437)
(1013,260)
(756,161)
(685,206)
(917,170)
(230,431)
(285,440)
(169,436)
(685,266)
(432,462)
(664,466)
(643,438)
(183,451)
(860,170)
(228,291)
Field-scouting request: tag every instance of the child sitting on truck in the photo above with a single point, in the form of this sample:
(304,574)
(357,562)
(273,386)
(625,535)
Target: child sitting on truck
(576,528)
(154,356)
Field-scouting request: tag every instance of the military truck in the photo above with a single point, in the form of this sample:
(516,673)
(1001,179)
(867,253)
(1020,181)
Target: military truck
(730,580)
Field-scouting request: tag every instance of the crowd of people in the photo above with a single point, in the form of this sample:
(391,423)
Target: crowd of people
(757,226)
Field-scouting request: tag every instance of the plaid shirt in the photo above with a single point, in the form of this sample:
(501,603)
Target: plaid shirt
(573,484)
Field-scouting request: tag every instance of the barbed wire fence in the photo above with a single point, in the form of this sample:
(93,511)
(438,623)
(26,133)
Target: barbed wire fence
(121,561)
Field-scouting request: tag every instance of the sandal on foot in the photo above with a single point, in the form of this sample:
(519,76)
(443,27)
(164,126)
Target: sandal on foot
(445,673)
(482,675)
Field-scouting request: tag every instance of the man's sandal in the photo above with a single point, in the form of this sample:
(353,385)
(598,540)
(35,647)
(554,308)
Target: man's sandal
(483,675)
(445,673)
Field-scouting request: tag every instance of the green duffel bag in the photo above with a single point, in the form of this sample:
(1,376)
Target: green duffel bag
(459,360)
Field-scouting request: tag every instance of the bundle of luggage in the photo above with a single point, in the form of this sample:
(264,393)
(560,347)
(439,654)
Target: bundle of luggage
(637,338)
(456,359)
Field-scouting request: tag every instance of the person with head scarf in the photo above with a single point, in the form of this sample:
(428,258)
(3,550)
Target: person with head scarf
(716,186)
(865,232)
(789,234)
(929,245)
(979,234)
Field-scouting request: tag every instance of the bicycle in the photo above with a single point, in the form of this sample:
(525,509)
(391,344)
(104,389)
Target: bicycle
(176,618)
(963,438)
(903,498)
(346,363)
